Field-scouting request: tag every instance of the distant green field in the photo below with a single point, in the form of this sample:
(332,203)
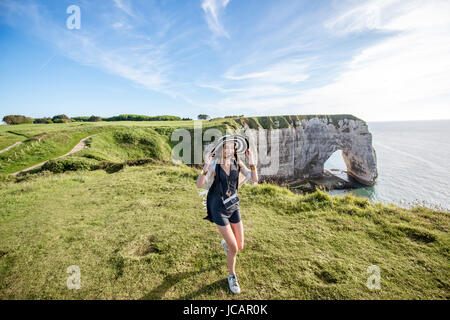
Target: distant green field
(32,129)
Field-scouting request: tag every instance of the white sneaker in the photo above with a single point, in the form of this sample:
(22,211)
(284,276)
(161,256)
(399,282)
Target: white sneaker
(224,245)
(233,284)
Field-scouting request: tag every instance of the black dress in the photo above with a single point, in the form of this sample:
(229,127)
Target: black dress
(216,210)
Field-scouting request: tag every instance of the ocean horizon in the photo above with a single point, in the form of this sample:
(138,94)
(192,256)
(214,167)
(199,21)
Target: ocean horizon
(413,164)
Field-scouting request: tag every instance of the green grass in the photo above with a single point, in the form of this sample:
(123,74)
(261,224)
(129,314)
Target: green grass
(139,234)
(33,129)
(32,151)
(42,142)
(127,143)
(136,230)
(7,139)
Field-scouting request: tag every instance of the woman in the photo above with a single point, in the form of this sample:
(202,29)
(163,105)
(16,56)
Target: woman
(225,185)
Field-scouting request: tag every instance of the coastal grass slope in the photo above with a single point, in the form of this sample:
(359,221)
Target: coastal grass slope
(132,221)
(139,234)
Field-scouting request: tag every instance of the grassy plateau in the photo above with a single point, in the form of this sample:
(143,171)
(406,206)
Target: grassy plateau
(131,220)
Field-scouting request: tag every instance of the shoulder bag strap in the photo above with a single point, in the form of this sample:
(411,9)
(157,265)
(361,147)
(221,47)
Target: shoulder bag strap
(238,171)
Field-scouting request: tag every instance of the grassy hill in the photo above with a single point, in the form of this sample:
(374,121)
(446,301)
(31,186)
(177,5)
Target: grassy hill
(136,231)
(42,142)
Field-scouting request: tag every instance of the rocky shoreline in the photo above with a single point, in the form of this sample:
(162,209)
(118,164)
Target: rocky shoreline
(327,182)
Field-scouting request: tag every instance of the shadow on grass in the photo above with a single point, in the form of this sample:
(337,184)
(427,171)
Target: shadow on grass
(172,279)
(17,133)
(217,286)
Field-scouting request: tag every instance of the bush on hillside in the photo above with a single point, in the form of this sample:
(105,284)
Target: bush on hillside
(202,117)
(43,120)
(60,121)
(60,116)
(135,117)
(17,119)
(68,164)
(94,118)
(82,119)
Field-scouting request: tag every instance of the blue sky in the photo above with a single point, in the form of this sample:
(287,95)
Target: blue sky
(379,60)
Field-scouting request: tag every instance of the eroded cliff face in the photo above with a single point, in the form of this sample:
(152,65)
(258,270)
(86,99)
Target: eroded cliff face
(307,143)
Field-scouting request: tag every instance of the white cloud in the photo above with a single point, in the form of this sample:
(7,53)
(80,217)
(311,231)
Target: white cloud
(360,18)
(289,71)
(122,26)
(213,9)
(133,55)
(270,88)
(125,6)
(404,76)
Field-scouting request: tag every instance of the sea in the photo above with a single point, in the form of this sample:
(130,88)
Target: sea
(413,160)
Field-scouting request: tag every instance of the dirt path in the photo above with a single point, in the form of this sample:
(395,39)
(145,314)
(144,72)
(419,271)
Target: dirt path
(79,146)
(11,146)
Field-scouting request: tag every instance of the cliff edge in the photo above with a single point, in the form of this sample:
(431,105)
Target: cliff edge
(305,143)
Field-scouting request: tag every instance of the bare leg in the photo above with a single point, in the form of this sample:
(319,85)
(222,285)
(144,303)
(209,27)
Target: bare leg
(230,239)
(238,230)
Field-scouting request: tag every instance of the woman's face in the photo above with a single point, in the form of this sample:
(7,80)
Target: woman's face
(228,149)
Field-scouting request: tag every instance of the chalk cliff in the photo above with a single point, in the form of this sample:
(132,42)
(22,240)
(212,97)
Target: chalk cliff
(305,143)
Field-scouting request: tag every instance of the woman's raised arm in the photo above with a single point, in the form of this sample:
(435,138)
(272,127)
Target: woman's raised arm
(202,177)
(254,173)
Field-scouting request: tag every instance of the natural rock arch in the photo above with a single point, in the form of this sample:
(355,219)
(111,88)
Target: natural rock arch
(304,148)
